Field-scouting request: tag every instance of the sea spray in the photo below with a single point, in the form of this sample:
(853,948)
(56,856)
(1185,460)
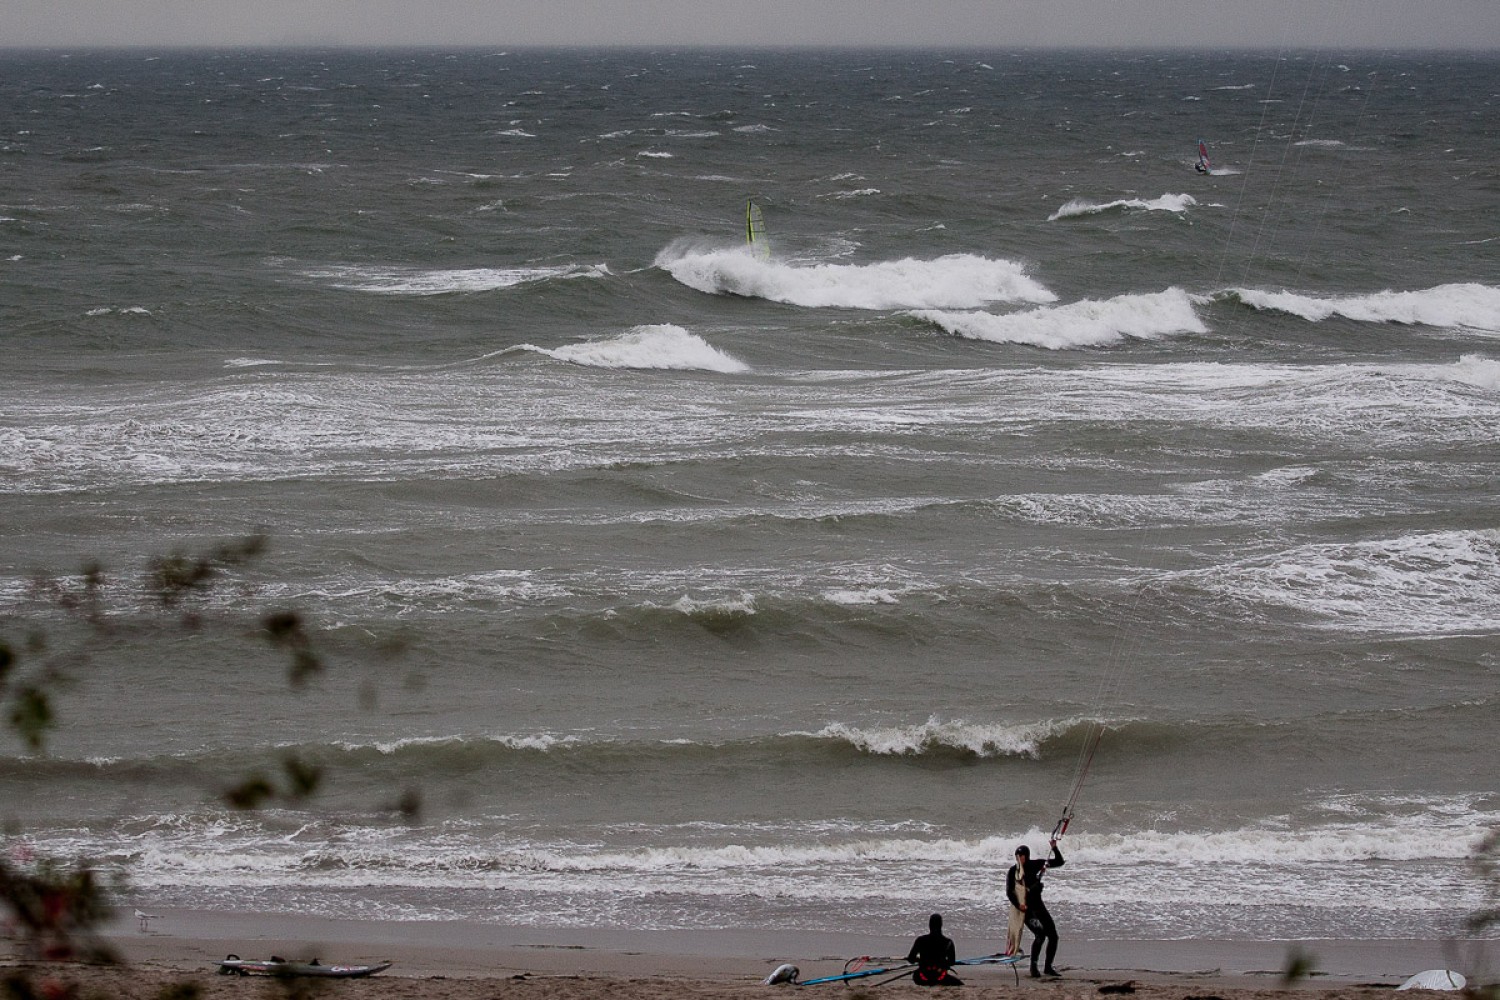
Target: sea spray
(956,281)
(1454,305)
(1079,207)
(1078,324)
(658,346)
(382,280)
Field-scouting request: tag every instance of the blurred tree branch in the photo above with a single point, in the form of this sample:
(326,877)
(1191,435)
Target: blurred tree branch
(53,908)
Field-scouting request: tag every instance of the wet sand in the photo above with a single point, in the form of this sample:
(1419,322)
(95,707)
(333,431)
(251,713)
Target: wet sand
(465,961)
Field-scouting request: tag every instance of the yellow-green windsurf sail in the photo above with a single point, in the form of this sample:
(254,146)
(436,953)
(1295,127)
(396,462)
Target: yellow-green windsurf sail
(755,231)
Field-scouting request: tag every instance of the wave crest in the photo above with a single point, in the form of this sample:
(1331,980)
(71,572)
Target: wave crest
(1426,584)
(662,346)
(955,281)
(1087,323)
(937,735)
(1455,305)
(1166,203)
(1476,370)
(418,281)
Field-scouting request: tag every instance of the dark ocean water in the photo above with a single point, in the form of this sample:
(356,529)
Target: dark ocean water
(691,589)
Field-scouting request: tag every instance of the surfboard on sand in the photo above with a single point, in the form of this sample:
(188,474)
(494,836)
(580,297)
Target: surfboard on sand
(233,965)
(1435,979)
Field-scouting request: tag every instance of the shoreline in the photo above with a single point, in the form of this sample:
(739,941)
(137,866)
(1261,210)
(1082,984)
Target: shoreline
(471,961)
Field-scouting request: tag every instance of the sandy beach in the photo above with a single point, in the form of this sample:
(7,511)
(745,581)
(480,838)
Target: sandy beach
(467,961)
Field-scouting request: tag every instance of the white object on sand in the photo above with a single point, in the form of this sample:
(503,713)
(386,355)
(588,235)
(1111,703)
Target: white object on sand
(786,973)
(1435,979)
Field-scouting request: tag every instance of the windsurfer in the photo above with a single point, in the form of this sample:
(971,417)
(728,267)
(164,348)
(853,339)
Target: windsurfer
(934,956)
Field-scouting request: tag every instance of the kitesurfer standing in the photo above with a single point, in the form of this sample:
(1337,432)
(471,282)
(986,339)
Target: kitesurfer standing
(934,956)
(1026,875)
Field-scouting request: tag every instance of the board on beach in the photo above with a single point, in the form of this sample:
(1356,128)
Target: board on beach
(233,965)
(992,960)
(1435,979)
(865,973)
(899,969)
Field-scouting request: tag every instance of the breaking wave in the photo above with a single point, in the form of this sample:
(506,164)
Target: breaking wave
(1166,203)
(663,346)
(937,735)
(1476,370)
(420,281)
(955,281)
(1440,583)
(1457,305)
(1087,323)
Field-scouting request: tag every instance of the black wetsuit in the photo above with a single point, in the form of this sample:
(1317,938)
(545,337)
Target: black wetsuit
(1038,920)
(934,955)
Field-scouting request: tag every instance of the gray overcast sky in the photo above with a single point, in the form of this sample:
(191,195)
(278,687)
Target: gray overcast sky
(1276,24)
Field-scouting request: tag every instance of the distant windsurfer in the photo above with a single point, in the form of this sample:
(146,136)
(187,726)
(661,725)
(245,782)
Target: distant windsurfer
(1201,167)
(934,955)
(1026,875)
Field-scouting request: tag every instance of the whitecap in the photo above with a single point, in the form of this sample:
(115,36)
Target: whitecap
(415,281)
(1429,583)
(956,281)
(852,598)
(1455,305)
(1475,370)
(1087,323)
(981,739)
(1166,203)
(662,346)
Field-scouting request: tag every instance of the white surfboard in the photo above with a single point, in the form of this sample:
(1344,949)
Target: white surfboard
(1435,979)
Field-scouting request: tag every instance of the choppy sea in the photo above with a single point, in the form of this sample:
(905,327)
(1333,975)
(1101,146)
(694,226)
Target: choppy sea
(673,586)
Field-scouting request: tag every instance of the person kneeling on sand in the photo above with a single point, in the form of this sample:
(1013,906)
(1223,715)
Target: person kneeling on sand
(934,956)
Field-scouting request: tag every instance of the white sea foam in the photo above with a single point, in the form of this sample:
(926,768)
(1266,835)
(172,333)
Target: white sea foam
(661,346)
(531,741)
(871,595)
(1438,583)
(956,281)
(743,604)
(984,740)
(1457,305)
(1106,865)
(1086,323)
(1166,203)
(416,281)
(1476,370)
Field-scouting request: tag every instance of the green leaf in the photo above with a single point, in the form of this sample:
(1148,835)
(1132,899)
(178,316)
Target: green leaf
(31,716)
